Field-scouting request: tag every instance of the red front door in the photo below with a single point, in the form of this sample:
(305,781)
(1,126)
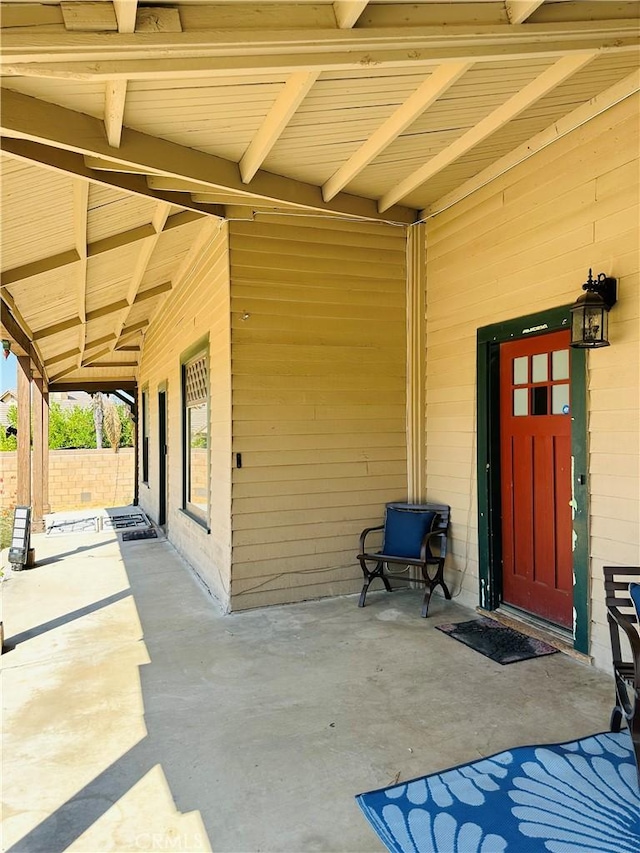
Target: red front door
(535,440)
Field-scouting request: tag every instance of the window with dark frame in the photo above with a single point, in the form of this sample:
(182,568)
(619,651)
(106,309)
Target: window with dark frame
(195,396)
(145,436)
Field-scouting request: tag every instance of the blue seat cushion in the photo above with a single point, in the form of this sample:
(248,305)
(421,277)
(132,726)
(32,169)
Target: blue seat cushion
(634,592)
(404,530)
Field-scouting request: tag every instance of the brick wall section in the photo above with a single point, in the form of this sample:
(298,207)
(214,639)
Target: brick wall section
(77,478)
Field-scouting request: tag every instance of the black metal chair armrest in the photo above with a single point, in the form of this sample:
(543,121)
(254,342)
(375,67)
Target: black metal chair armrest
(365,533)
(632,636)
(424,556)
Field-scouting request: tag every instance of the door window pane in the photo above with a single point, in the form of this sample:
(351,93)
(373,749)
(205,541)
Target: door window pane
(539,401)
(560,399)
(539,368)
(521,370)
(560,364)
(520,402)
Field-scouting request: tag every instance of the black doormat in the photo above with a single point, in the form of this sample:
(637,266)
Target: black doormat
(129,535)
(496,641)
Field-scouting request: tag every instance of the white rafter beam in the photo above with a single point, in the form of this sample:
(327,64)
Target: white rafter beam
(561,127)
(24,119)
(539,87)
(126,15)
(285,105)
(425,95)
(115,97)
(115,94)
(80,217)
(160,217)
(347,12)
(519,10)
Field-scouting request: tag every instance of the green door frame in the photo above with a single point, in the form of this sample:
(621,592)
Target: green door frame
(489,339)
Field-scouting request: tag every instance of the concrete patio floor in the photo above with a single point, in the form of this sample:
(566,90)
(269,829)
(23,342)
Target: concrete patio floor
(137,717)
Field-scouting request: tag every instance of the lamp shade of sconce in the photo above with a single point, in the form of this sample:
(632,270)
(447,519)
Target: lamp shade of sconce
(6,347)
(590,312)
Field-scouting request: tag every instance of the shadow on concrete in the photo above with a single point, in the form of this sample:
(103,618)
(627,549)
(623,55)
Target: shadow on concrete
(11,642)
(57,558)
(74,817)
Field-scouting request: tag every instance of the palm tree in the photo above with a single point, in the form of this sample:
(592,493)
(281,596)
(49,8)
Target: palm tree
(98,416)
(112,425)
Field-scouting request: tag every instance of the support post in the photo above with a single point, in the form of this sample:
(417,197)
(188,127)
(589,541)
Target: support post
(135,407)
(46,506)
(23,492)
(416,362)
(40,460)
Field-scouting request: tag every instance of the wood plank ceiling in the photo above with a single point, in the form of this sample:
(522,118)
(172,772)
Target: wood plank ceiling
(130,129)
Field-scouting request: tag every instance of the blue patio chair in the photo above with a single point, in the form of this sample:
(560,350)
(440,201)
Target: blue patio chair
(410,533)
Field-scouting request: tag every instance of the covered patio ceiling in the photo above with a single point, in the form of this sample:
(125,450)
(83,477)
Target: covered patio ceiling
(130,130)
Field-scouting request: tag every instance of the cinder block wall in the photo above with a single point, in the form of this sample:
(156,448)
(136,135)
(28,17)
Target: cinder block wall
(77,478)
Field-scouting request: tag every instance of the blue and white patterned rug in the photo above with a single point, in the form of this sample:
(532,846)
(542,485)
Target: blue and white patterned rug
(578,797)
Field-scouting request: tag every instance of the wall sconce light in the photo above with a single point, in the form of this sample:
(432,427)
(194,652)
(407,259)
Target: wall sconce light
(6,347)
(590,313)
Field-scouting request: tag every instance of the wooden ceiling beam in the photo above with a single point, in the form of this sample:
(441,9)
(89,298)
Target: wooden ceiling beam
(115,96)
(425,95)
(111,56)
(91,385)
(112,308)
(44,265)
(102,165)
(152,292)
(113,364)
(56,328)
(71,163)
(100,247)
(160,217)
(80,219)
(63,356)
(23,118)
(135,327)
(17,330)
(519,10)
(291,96)
(561,127)
(98,342)
(82,17)
(125,11)
(347,12)
(542,85)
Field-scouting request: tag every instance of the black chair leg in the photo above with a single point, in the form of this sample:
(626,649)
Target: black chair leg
(425,601)
(369,576)
(363,594)
(615,721)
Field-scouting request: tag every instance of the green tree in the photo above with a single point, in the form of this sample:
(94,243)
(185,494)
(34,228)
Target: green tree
(72,428)
(9,442)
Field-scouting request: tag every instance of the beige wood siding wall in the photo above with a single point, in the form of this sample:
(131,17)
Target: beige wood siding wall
(318,400)
(522,244)
(198,306)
